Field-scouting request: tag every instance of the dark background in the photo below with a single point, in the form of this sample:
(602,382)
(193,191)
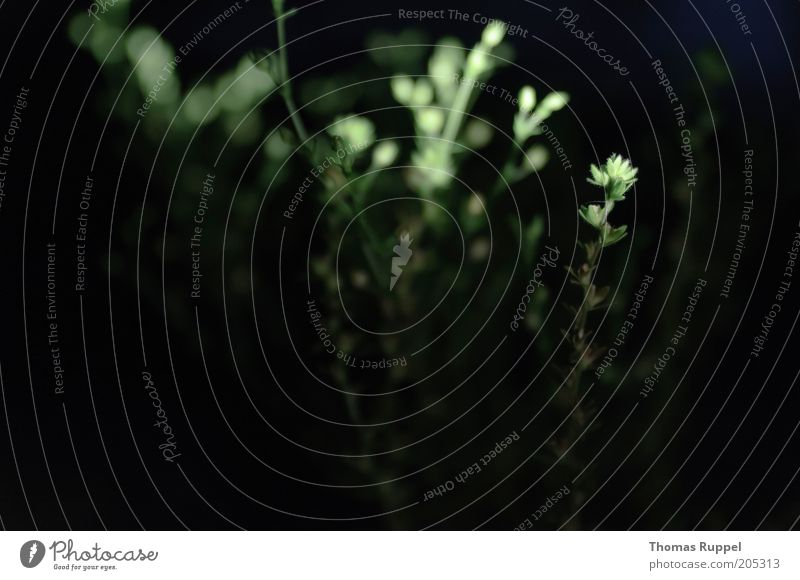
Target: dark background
(88,459)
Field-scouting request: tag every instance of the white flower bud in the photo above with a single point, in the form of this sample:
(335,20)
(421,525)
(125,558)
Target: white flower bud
(384,154)
(554,101)
(423,93)
(493,34)
(430,121)
(402,89)
(527,99)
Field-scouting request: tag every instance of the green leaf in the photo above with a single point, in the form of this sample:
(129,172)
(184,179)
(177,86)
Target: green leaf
(615,190)
(596,296)
(613,235)
(593,214)
(598,178)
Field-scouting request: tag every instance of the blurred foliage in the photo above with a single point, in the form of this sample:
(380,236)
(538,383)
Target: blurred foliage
(411,132)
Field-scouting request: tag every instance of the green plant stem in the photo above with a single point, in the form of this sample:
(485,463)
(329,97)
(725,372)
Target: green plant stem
(580,333)
(455,115)
(286,87)
(338,181)
(507,173)
(579,358)
(286,92)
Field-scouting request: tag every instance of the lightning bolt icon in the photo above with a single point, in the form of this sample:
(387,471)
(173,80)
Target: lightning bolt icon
(403,254)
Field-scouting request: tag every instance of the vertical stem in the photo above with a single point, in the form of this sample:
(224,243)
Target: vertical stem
(572,383)
(461,101)
(582,317)
(286,87)
(506,176)
(456,113)
(337,180)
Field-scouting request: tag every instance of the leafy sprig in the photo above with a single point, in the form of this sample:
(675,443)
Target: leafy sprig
(616,176)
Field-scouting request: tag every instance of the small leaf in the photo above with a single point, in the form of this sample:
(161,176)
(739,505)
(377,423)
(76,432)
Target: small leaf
(598,177)
(593,214)
(615,190)
(613,235)
(596,296)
